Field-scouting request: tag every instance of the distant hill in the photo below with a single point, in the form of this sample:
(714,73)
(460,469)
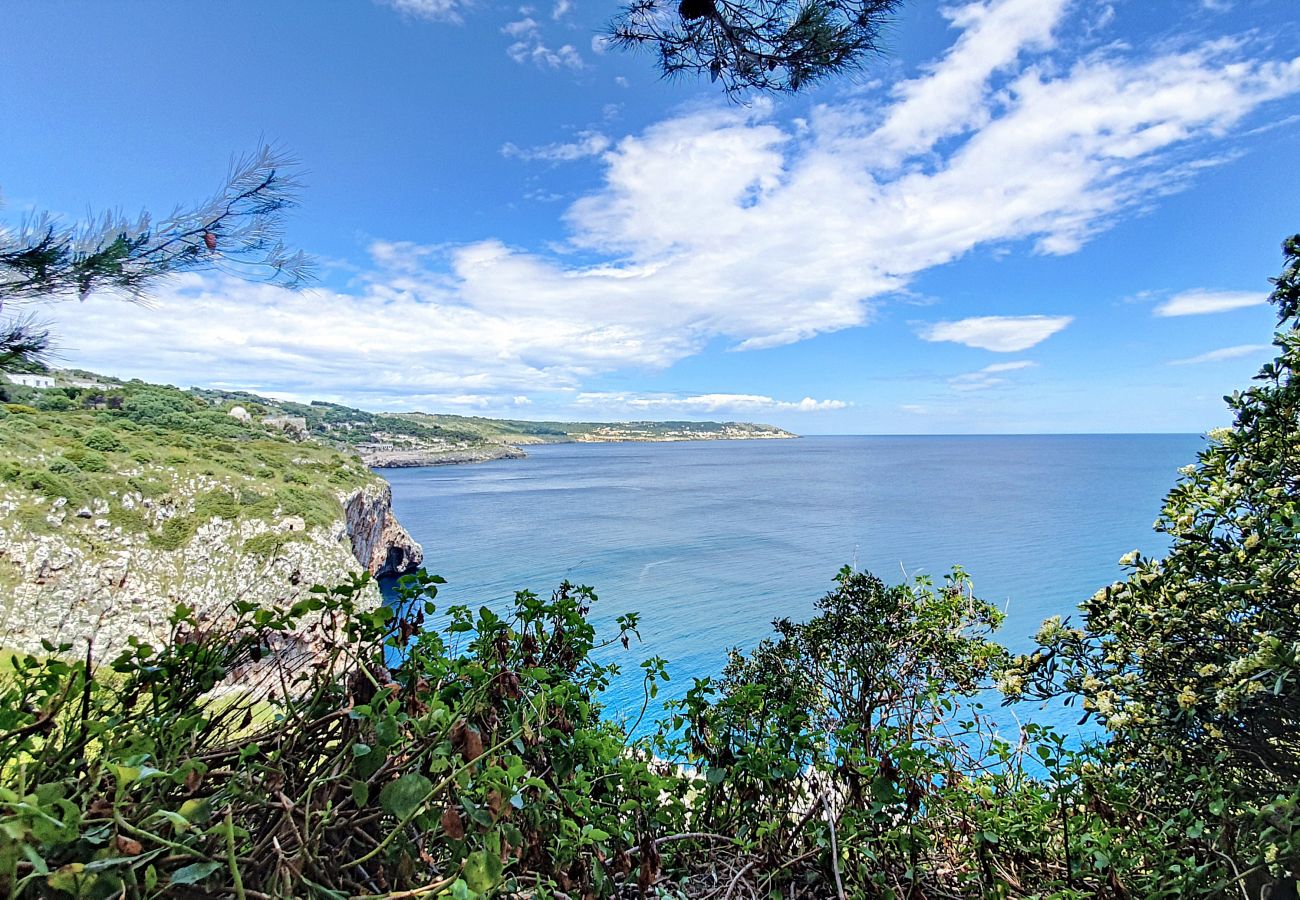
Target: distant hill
(400,439)
(390,440)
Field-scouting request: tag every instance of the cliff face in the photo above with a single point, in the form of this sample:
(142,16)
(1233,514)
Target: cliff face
(379,542)
(80,575)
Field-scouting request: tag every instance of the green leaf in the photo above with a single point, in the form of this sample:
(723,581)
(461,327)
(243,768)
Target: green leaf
(196,811)
(404,796)
(194,872)
(482,871)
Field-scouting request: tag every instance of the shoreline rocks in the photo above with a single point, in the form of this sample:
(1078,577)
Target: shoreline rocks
(413,459)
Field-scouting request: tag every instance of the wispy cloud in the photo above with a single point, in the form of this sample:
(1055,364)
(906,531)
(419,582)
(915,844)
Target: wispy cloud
(587,143)
(1199,303)
(534,51)
(529,46)
(1224,353)
(429,10)
(1001,334)
(703,403)
(989,376)
(525,27)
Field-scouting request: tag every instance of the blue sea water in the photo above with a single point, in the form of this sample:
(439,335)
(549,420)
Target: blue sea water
(711,541)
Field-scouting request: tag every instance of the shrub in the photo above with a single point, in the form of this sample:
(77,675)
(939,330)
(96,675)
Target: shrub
(129,520)
(174,533)
(32,519)
(55,484)
(103,440)
(54,400)
(61,465)
(87,460)
(216,504)
(1193,662)
(477,765)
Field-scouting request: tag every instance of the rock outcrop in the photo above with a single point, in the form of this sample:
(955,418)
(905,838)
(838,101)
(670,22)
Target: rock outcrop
(379,542)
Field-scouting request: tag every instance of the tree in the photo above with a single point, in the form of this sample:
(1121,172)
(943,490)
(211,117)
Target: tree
(237,230)
(1193,662)
(768,45)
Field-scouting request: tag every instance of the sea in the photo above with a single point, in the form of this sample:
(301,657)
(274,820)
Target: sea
(711,541)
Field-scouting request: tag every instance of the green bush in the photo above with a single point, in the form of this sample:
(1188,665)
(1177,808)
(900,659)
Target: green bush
(87,460)
(56,484)
(174,533)
(468,772)
(32,519)
(269,543)
(129,520)
(103,440)
(1193,661)
(61,465)
(54,400)
(221,504)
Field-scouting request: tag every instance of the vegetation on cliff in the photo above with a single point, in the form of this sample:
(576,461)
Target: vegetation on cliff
(135,496)
(466,755)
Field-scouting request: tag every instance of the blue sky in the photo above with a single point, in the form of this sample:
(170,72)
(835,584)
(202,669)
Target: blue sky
(1029,215)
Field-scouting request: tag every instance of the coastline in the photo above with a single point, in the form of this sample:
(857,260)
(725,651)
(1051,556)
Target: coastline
(429,458)
(416,459)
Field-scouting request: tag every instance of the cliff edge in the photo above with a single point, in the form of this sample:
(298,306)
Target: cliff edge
(379,541)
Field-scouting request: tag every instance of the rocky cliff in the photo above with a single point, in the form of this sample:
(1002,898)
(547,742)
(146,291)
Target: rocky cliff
(81,575)
(379,541)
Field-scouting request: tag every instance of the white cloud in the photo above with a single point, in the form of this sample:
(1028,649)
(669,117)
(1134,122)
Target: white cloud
(700,404)
(1001,334)
(951,96)
(524,27)
(727,226)
(989,376)
(1198,303)
(561,9)
(429,10)
(533,50)
(588,143)
(1224,353)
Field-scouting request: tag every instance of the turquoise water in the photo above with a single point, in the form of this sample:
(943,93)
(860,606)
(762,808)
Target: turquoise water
(712,541)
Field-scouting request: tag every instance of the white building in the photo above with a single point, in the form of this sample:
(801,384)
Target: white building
(36,381)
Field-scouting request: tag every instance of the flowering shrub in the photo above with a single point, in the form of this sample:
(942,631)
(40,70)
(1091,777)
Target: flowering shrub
(1193,661)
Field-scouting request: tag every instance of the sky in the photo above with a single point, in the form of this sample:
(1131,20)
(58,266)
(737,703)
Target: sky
(1024,216)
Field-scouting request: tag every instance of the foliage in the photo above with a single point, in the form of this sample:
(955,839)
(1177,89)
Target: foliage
(235,231)
(1193,662)
(766,45)
(462,760)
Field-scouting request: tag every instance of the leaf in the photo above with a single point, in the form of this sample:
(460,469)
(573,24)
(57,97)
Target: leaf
(194,872)
(404,796)
(482,871)
(196,810)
